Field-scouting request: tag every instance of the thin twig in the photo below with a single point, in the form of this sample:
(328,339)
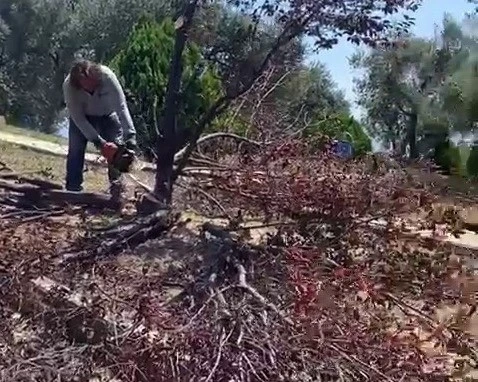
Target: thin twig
(201,309)
(401,304)
(352,359)
(222,342)
(244,285)
(220,135)
(208,196)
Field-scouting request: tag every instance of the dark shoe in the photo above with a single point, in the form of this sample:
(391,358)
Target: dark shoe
(74,189)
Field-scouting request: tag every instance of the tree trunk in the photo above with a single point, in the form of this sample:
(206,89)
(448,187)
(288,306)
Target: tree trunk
(166,145)
(412,135)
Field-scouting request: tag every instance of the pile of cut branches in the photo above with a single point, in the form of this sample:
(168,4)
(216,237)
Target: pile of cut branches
(328,295)
(293,179)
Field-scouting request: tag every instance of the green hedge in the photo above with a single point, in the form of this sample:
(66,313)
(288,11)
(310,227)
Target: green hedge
(472,163)
(143,68)
(448,158)
(341,127)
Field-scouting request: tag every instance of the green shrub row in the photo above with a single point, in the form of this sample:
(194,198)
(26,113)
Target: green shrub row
(453,160)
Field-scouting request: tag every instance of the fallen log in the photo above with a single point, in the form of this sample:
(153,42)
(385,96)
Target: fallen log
(59,303)
(45,184)
(90,199)
(37,194)
(83,326)
(22,188)
(26,216)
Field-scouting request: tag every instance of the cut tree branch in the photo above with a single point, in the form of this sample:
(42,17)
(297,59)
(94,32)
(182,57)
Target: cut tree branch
(36,194)
(180,154)
(45,184)
(126,236)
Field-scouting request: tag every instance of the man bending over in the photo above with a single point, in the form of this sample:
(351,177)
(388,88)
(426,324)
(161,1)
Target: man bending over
(98,113)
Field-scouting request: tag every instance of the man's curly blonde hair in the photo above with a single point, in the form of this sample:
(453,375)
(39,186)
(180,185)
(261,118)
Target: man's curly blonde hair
(83,69)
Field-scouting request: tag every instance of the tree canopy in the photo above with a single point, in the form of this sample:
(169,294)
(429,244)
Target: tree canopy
(227,46)
(418,92)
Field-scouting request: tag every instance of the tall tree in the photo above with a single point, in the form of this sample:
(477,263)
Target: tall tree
(4,92)
(433,78)
(31,59)
(458,95)
(103,26)
(323,20)
(44,36)
(234,42)
(311,91)
(398,81)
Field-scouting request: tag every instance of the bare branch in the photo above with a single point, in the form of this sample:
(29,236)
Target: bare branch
(180,154)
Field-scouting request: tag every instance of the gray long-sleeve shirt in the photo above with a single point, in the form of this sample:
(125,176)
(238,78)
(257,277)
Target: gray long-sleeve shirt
(106,99)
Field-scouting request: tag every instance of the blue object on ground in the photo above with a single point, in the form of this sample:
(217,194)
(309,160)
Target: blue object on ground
(344,149)
(25,121)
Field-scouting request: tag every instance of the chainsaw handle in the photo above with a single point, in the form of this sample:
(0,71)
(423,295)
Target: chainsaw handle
(109,151)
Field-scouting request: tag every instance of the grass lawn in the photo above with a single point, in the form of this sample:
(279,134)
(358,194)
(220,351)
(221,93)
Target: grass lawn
(464,153)
(51,167)
(21,131)
(31,133)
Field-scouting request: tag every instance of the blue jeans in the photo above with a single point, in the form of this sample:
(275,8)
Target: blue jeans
(110,130)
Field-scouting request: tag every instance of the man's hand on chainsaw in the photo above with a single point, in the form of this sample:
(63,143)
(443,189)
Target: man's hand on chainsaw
(118,156)
(108,150)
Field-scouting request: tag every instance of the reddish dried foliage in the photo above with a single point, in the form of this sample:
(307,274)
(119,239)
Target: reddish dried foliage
(325,270)
(295,179)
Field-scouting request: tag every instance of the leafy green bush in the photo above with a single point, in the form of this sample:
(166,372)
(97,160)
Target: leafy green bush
(342,127)
(441,156)
(472,163)
(457,166)
(448,158)
(143,68)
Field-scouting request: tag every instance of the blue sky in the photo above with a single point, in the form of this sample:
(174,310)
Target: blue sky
(429,14)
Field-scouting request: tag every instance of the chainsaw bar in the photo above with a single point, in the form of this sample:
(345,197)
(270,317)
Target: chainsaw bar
(123,159)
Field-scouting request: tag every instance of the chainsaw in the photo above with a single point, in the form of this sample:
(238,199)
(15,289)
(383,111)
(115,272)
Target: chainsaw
(123,159)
